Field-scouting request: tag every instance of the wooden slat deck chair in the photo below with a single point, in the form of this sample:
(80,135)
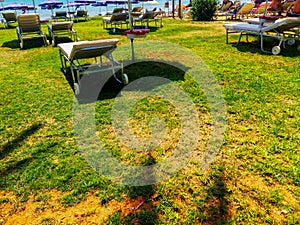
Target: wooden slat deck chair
(29,27)
(58,29)
(9,17)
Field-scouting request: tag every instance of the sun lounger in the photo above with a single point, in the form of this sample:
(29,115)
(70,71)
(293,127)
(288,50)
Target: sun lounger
(60,15)
(116,20)
(147,17)
(29,27)
(81,14)
(284,30)
(9,17)
(244,11)
(58,29)
(72,54)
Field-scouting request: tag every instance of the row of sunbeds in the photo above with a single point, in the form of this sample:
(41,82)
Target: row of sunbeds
(11,17)
(29,27)
(249,9)
(120,17)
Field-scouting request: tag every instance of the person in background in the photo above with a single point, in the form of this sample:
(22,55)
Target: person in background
(276,6)
(294,9)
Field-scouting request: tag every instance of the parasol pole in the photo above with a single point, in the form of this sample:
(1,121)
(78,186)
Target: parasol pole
(33,3)
(266,6)
(68,6)
(179,9)
(173,9)
(129,14)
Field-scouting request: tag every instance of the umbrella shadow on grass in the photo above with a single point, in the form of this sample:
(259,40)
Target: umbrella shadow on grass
(216,205)
(138,207)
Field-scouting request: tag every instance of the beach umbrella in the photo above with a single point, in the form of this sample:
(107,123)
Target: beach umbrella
(51,4)
(16,6)
(75,4)
(86,1)
(122,2)
(100,4)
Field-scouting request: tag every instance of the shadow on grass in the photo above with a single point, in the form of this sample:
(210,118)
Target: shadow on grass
(17,142)
(216,206)
(254,47)
(138,207)
(134,71)
(31,43)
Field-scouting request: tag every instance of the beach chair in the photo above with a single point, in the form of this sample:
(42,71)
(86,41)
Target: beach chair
(73,55)
(58,29)
(284,30)
(243,11)
(260,9)
(81,14)
(9,18)
(60,15)
(136,11)
(147,17)
(29,27)
(116,20)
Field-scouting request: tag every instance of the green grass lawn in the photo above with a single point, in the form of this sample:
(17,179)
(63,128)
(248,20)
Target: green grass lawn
(255,179)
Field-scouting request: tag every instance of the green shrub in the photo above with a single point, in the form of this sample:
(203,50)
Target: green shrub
(203,10)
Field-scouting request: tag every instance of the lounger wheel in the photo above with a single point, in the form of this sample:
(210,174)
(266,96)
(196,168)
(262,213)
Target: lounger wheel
(276,50)
(291,41)
(125,78)
(76,89)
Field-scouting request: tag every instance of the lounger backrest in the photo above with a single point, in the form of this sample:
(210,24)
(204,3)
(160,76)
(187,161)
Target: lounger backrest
(29,22)
(117,10)
(226,6)
(149,15)
(137,9)
(61,14)
(286,5)
(246,8)
(91,49)
(119,17)
(261,7)
(62,25)
(81,13)
(9,16)
(283,25)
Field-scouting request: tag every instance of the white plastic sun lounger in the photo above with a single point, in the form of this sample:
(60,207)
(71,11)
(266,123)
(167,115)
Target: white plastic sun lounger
(72,53)
(284,30)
